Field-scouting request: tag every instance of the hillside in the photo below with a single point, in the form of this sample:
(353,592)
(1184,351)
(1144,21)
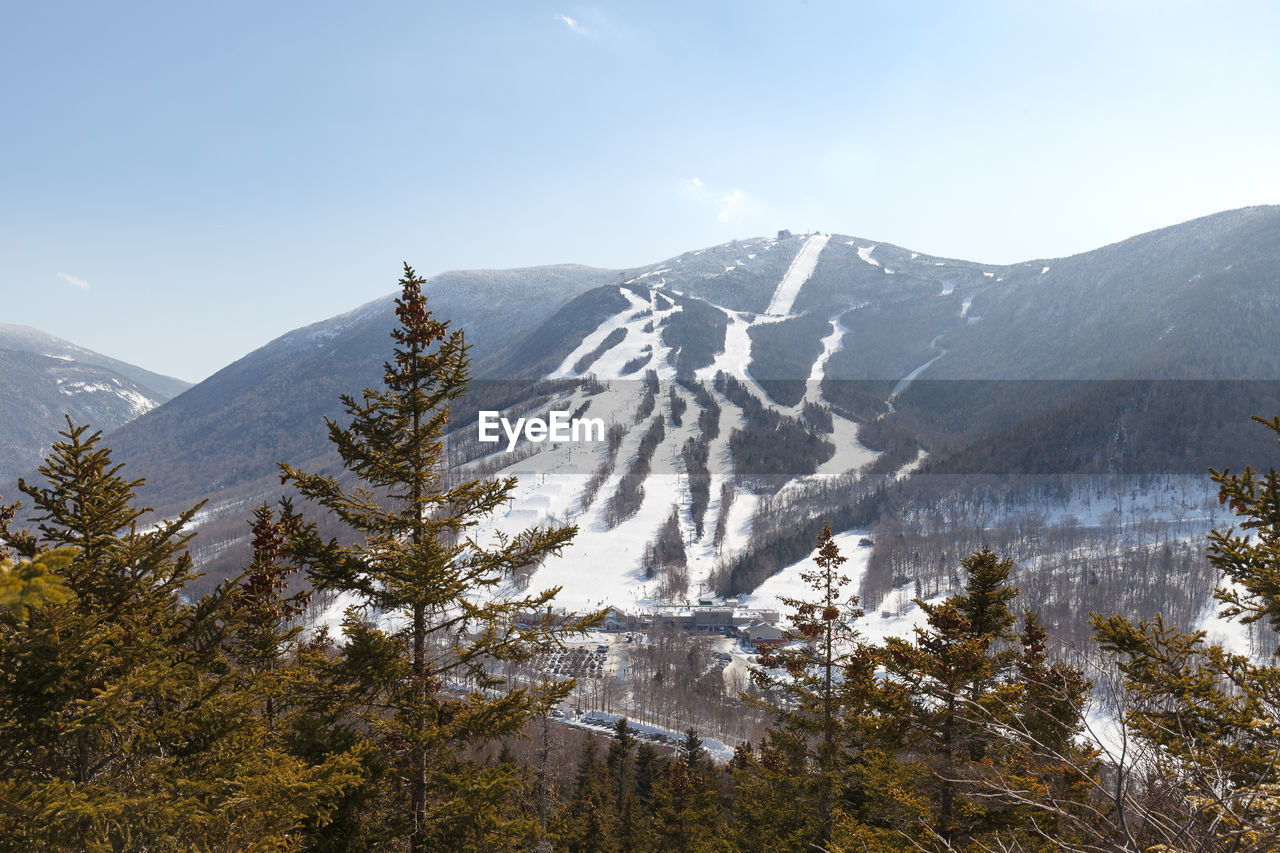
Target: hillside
(794,377)
(43,377)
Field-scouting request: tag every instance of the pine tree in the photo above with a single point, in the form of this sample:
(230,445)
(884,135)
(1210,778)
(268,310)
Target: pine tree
(688,816)
(269,623)
(981,709)
(1206,717)
(124,725)
(618,766)
(586,824)
(818,687)
(415,561)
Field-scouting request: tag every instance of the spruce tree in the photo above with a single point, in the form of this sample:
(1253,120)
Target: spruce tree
(981,709)
(1206,717)
(123,724)
(818,687)
(414,563)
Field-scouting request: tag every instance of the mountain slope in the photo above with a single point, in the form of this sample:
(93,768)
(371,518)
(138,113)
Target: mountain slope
(270,405)
(877,361)
(43,377)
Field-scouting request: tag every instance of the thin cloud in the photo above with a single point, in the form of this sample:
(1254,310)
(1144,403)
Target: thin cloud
(729,206)
(74,280)
(574,25)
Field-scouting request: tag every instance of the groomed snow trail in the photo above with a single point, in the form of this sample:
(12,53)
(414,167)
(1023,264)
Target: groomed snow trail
(802,266)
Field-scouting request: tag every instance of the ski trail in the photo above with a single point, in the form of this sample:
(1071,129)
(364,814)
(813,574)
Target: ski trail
(831,345)
(597,336)
(910,377)
(797,274)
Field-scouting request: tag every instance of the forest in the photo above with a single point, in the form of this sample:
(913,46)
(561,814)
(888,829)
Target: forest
(136,714)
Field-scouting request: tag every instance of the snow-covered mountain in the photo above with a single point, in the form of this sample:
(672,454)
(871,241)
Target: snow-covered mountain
(42,377)
(752,388)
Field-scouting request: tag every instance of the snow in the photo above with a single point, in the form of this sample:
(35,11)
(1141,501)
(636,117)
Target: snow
(81,387)
(802,266)
(1231,634)
(1043,271)
(911,377)
(896,617)
(602,722)
(964,306)
(327,330)
(865,253)
(138,403)
(593,340)
(642,313)
(831,345)
(736,354)
(989,274)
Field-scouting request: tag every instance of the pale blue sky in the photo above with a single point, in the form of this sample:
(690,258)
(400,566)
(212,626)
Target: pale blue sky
(180,183)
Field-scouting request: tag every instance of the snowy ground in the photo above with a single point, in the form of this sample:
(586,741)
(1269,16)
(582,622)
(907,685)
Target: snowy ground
(886,621)
(802,266)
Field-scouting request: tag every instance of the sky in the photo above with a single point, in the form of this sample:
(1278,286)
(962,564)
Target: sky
(181,183)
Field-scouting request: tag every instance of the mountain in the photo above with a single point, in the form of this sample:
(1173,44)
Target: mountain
(42,377)
(755,387)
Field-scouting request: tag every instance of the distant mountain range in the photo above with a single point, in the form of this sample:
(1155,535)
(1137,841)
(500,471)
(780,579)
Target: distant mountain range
(43,377)
(835,355)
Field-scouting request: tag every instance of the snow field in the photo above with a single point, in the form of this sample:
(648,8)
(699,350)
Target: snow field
(892,618)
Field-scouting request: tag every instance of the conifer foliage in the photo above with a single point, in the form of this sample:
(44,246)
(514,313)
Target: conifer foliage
(819,685)
(414,560)
(124,724)
(1207,720)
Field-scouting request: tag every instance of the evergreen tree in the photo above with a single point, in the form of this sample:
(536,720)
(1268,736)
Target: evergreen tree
(618,765)
(415,561)
(819,687)
(1206,717)
(691,750)
(585,825)
(687,815)
(123,724)
(268,625)
(983,712)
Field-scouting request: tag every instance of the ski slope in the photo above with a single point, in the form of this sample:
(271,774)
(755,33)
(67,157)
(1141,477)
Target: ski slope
(802,266)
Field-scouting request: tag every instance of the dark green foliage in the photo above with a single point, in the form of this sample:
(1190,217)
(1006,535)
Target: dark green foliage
(677,405)
(818,416)
(125,723)
(650,398)
(696,333)
(727,494)
(666,552)
(771,447)
(821,684)
(695,455)
(613,438)
(636,363)
(627,499)
(782,355)
(708,409)
(413,557)
(1208,716)
(982,710)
